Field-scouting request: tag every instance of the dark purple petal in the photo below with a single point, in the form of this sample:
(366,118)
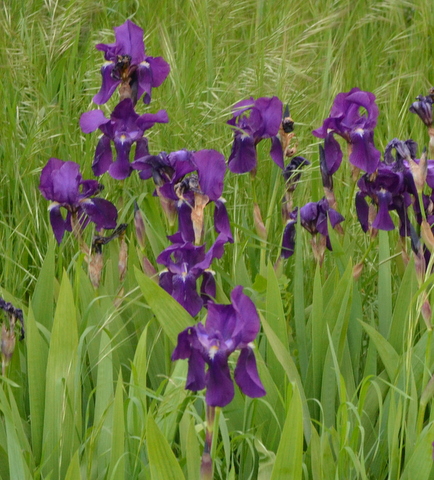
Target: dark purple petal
(333,153)
(364,155)
(211,168)
(246,374)
(221,220)
(248,324)
(145,80)
(220,388)
(288,240)
(196,372)
(103,156)
(243,155)
(185,223)
(276,152)
(92,120)
(60,181)
(222,319)
(101,212)
(208,287)
(141,149)
(58,223)
(108,86)
(165,281)
(362,209)
(383,220)
(185,293)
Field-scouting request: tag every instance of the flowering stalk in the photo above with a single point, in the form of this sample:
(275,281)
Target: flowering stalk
(212,421)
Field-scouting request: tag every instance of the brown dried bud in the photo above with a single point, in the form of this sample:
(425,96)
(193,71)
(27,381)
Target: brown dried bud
(259,224)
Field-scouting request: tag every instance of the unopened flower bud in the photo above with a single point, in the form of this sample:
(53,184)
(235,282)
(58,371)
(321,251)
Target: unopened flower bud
(139,226)
(259,224)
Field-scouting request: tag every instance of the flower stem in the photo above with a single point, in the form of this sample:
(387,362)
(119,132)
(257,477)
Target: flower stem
(212,420)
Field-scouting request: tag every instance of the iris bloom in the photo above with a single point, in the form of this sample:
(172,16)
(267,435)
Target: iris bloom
(124,127)
(253,121)
(423,108)
(126,62)
(176,182)
(62,183)
(313,217)
(185,263)
(355,127)
(227,328)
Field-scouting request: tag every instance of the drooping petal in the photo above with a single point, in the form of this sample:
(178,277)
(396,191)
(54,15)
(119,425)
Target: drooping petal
(246,374)
(220,388)
(333,153)
(211,168)
(362,209)
(248,324)
(276,152)
(185,293)
(101,212)
(364,155)
(160,70)
(383,221)
(103,156)
(58,223)
(208,287)
(108,86)
(288,240)
(221,220)
(243,155)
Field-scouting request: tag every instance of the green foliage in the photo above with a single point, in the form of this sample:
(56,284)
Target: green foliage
(346,360)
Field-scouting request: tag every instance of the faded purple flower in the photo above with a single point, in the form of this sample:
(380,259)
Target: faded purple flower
(124,127)
(355,127)
(126,62)
(253,121)
(62,183)
(227,328)
(423,108)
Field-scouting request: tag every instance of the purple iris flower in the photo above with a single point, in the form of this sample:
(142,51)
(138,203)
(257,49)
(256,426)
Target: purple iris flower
(62,183)
(124,127)
(126,62)
(355,127)
(313,217)
(227,328)
(253,121)
(185,263)
(388,190)
(176,181)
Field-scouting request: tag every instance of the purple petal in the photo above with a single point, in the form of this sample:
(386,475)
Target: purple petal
(288,240)
(364,155)
(92,120)
(362,209)
(333,153)
(221,220)
(248,319)
(383,220)
(148,120)
(246,374)
(160,70)
(141,149)
(58,223)
(219,385)
(108,86)
(276,152)
(208,287)
(243,155)
(103,156)
(271,110)
(101,212)
(211,168)
(129,41)
(185,223)
(185,293)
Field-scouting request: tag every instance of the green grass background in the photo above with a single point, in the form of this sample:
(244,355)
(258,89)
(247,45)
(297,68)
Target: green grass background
(92,393)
